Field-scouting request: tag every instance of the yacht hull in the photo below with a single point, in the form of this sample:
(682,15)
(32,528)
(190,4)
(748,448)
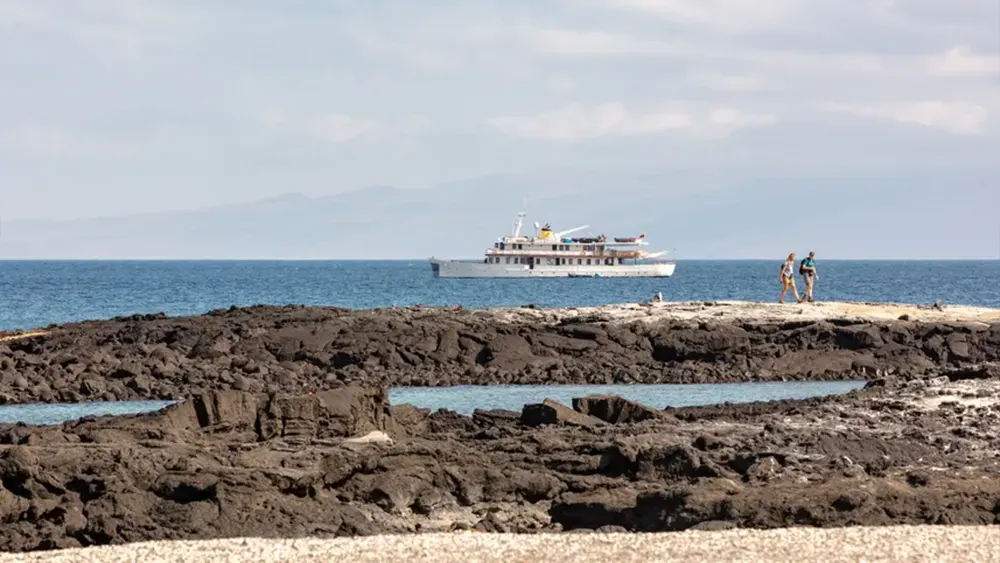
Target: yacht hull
(478,269)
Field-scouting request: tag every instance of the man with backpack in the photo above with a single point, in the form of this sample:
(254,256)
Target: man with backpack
(807,269)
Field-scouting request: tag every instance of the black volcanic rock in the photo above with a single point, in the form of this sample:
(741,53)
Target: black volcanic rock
(344,462)
(311,349)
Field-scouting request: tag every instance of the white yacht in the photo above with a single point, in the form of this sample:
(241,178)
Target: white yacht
(549,254)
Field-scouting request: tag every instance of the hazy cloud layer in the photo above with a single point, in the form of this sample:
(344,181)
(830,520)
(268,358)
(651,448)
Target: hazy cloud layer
(121,106)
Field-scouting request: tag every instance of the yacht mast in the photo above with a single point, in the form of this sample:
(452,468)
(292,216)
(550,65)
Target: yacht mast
(518,222)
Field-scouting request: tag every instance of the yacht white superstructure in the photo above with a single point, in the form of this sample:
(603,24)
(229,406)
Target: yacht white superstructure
(549,254)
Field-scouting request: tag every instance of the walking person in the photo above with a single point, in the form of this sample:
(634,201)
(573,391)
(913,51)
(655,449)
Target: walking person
(787,278)
(809,275)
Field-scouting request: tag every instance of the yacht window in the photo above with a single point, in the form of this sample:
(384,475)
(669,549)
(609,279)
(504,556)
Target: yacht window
(555,247)
(588,261)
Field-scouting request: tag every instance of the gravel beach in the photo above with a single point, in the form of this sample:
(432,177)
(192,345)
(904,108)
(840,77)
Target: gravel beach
(980,544)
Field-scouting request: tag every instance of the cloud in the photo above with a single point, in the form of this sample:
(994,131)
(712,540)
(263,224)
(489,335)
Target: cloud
(577,122)
(592,43)
(113,30)
(959,118)
(560,84)
(959,61)
(341,128)
(419,56)
(729,16)
(446,90)
(736,119)
(274,117)
(39,141)
(733,83)
(569,123)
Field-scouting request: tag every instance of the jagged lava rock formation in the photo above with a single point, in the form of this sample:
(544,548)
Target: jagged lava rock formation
(345,463)
(310,349)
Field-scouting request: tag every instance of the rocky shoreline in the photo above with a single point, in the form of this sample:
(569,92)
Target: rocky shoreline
(286,428)
(268,349)
(345,462)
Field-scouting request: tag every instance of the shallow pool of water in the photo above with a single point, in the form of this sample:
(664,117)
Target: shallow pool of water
(57,413)
(465,399)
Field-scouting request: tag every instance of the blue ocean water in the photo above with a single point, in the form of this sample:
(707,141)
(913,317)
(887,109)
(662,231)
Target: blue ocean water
(38,293)
(466,398)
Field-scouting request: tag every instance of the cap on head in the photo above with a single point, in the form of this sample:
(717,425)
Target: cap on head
(811,253)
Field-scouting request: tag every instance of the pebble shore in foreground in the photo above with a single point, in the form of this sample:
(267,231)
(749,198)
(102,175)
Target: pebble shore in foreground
(941,544)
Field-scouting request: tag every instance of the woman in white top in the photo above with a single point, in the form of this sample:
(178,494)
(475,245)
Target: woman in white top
(788,279)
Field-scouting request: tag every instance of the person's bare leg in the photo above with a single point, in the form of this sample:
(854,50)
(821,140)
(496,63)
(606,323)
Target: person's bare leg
(784,290)
(795,291)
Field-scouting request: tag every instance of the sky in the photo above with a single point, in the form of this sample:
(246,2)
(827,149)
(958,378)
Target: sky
(116,107)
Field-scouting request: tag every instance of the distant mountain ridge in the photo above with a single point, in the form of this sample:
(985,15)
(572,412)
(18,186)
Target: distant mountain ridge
(701,215)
